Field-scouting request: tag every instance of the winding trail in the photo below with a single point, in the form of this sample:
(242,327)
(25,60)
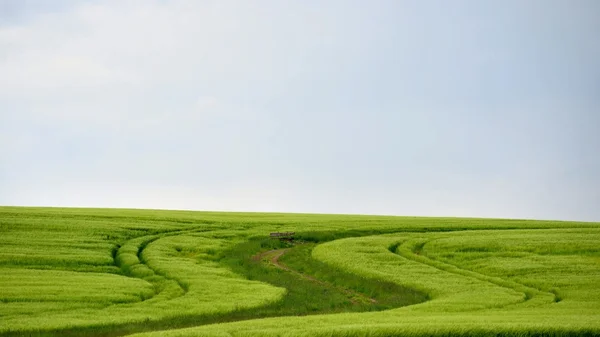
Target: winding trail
(272,257)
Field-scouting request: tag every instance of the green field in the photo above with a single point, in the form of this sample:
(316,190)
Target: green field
(114,272)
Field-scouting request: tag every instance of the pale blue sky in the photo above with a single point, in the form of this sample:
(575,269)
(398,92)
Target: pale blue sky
(444,108)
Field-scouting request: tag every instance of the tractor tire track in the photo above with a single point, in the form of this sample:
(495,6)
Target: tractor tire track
(147,240)
(414,253)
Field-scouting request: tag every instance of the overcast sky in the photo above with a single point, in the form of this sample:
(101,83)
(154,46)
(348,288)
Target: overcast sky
(444,108)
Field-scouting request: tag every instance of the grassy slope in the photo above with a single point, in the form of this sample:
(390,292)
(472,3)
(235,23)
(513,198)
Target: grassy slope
(106,269)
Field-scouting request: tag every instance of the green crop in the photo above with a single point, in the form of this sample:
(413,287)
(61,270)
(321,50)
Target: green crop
(111,272)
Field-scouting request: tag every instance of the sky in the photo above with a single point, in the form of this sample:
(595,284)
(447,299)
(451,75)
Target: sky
(420,108)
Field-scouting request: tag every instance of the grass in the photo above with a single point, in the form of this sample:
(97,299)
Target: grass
(110,272)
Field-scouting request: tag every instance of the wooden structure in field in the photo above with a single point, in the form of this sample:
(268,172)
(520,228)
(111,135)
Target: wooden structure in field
(283,236)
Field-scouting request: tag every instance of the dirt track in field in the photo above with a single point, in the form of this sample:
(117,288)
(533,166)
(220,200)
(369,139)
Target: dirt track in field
(272,257)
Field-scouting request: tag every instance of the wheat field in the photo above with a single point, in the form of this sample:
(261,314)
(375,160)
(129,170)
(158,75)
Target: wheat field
(116,272)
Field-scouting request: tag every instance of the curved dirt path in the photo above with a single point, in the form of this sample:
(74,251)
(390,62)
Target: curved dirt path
(272,257)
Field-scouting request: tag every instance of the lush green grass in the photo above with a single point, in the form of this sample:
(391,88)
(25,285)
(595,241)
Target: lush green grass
(324,289)
(113,272)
